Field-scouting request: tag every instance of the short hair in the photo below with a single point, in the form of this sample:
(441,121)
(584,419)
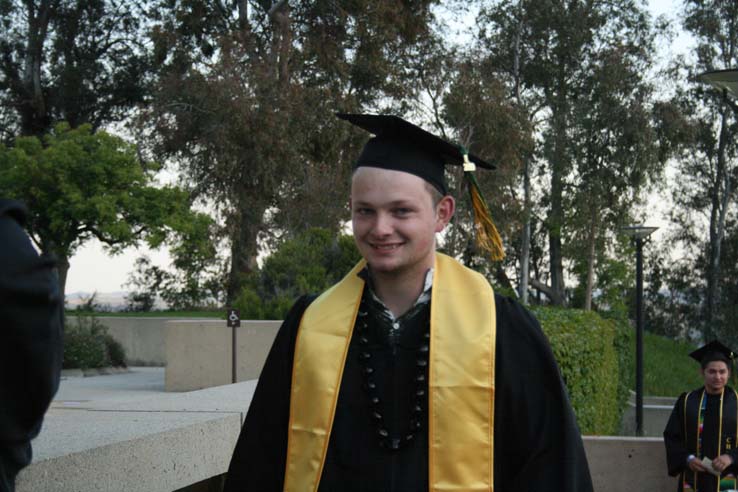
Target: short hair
(716,357)
(436,195)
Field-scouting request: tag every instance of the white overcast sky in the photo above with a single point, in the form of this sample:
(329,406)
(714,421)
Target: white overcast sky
(92,270)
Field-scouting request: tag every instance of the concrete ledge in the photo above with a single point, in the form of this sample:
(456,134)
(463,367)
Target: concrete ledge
(627,463)
(159,444)
(198,449)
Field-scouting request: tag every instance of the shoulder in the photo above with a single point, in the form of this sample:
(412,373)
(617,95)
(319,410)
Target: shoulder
(13,209)
(521,343)
(16,251)
(513,316)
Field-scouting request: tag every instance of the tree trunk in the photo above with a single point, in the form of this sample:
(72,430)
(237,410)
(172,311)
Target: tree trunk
(525,240)
(591,243)
(720,194)
(556,213)
(62,268)
(34,117)
(243,251)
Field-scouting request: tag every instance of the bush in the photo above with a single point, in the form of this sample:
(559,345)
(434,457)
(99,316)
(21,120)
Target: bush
(309,263)
(116,352)
(87,345)
(592,355)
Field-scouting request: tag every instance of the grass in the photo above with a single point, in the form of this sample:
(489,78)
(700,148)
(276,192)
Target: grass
(152,314)
(668,369)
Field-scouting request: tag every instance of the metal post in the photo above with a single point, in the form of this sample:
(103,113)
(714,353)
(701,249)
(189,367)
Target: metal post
(639,336)
(233,356)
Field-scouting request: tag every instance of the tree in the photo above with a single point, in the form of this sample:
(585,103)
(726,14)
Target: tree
(245,101)
(710,162)
(308,263)
(68,60)
(548,51)
(79,185)
(196,280)
(615,151)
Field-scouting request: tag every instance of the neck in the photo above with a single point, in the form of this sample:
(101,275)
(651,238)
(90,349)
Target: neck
(399,292)
(711,391)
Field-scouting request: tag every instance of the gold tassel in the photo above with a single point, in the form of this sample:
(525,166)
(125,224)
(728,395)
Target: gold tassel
(488,238)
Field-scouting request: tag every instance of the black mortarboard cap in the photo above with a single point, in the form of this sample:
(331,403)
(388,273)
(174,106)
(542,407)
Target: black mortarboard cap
(713,349)
(401,146)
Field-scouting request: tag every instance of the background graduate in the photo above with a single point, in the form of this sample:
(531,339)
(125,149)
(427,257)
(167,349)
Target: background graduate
(410,374)
(704,424)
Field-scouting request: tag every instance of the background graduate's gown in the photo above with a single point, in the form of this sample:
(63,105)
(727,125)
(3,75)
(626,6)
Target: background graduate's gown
(679,445)
(538,447)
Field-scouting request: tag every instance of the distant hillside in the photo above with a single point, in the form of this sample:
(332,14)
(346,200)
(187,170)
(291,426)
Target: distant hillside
(113,300)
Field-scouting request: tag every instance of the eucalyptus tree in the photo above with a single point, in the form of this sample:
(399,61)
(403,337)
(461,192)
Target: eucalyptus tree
(69,60)
(710,162)
(245,100)
(548,52)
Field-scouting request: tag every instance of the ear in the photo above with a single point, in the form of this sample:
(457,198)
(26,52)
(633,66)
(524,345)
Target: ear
(444,211)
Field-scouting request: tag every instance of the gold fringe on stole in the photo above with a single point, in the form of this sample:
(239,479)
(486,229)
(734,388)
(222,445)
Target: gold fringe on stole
(461,380)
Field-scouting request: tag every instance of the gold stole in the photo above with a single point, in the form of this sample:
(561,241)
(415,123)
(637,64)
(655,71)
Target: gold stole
(461,379)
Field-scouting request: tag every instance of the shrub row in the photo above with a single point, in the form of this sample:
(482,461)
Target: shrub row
(88,345)
(594,355)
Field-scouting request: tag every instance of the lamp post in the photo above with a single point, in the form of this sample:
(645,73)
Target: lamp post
(639,233)
(726,80)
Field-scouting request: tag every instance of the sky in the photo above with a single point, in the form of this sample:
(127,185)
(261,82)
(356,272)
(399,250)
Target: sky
(93,270)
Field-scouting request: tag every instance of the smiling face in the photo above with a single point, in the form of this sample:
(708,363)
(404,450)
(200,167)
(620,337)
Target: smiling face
(395,220)
(715,374)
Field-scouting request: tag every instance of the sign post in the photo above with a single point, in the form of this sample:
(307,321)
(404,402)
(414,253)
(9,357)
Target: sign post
(233,322)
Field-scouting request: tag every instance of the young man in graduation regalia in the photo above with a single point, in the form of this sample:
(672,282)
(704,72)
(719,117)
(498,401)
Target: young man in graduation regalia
(702,431)
(410,374)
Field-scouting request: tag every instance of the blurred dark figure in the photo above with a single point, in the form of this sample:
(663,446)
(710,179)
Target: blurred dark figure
(30,341)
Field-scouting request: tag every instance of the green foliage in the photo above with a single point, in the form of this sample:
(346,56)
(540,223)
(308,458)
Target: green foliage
(309,263)
(78,185)
(244,100)
(116,352)
(667,368)
(81,62)
(589,351)
(87,345)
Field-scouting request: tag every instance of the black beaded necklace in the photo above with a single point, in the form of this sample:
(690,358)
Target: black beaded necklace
(376,404)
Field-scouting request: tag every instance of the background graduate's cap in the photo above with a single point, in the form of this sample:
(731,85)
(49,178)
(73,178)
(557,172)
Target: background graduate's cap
(399,145)
(713,351)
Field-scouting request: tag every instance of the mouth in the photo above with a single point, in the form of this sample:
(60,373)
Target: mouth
(385,247)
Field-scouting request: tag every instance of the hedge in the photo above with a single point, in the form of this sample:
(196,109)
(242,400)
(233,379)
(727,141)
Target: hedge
(593,354)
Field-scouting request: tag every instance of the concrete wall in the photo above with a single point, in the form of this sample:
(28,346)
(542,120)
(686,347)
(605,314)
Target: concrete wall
(142,338)
(620,464)
(199,353)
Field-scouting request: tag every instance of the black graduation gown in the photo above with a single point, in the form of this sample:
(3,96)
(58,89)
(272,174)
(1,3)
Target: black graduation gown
(680,445)
(30,341)
(538,446)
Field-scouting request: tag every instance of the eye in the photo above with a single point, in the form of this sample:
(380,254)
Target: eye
(363,211)
(401,211)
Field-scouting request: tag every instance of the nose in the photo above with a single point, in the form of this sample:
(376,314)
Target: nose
(382,225)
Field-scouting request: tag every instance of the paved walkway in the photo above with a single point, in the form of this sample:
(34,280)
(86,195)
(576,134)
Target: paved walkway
(137,383)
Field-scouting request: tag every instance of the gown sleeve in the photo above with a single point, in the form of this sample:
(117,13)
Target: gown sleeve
(676,451)
(259,460)
(30,341)
(538,445)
